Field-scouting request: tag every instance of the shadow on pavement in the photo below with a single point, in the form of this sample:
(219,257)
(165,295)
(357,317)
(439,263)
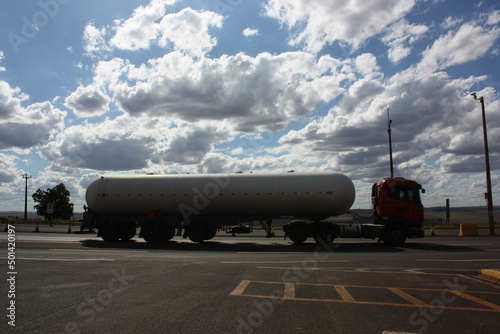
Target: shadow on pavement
(218,246)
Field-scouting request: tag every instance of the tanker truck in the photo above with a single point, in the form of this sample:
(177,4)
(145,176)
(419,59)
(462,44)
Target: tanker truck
(199,205)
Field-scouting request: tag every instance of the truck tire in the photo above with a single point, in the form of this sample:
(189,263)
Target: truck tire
(323,233)
(109,232)
(210,232)
(298,232)
(153,233)
(196,232)
(395,234)
(128,231)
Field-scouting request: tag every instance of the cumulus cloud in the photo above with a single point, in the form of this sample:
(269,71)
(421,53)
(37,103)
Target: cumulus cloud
(10,100)
(187,31)
(250,32)
(24,127)
(8,168)
(493,17)
(130,144)
(31,126)
(468,43)
(318,23)
(94,39)
(141,28)
(400,38)
(430,113)
(87,101)
(265,92)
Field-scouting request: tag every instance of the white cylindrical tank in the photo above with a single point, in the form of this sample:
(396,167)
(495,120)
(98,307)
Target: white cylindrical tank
(286,194)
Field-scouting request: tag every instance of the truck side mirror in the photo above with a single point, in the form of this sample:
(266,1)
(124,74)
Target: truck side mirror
(423,191)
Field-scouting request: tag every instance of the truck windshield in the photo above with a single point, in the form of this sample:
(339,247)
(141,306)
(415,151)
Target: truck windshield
(405,194)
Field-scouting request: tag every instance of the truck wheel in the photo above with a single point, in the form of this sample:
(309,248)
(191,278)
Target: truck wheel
(169,232)
(152,233)
(323,233)
(196,232)
(298,232)
(109,232)
(210,232)
(128,231)
(395,235)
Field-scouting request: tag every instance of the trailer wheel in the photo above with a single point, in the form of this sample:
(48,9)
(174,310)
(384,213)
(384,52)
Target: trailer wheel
(298,232)
(152,233)
(109,232)
(196,232)
(128,232)
(395,234)
(210,232)
(169,232)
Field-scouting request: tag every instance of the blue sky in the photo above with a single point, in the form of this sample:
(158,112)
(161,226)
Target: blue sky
(103,87)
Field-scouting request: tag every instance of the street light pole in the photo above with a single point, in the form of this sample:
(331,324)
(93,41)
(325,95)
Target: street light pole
(489,194)
(26,176)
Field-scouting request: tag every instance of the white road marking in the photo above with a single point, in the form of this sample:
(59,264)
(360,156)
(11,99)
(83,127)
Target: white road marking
(60,259)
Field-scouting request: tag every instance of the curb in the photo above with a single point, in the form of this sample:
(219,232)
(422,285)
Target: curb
(491,273)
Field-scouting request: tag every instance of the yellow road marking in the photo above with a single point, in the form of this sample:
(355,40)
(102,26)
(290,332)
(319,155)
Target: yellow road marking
(408,297)
(346,296)
(240,288)
(289,291)
(475,299)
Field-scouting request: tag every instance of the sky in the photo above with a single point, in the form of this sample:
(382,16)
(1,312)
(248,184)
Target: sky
(96,87)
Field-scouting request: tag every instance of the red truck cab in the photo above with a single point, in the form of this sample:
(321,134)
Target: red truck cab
(397,205)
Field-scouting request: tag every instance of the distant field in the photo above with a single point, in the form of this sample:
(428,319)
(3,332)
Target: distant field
(476,215)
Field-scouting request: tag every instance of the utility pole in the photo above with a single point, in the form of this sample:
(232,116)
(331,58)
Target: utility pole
(389,121)
(26,176)
(489,195)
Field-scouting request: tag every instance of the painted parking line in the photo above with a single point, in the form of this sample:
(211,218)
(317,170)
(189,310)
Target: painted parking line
(347,293)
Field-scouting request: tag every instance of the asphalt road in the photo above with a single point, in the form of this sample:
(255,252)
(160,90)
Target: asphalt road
(71,283)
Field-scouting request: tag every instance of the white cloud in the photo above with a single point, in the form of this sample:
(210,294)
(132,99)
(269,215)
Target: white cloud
(247,32)
(430,117)
(318,23)
(493,17)
(469,43)
(87,101)
(94,39)
(188,31)
(451,22)
(400,38)
(2,57)
(8,169)
(10,100)
(265,92)
(141,28)
(24,127)
(30,126)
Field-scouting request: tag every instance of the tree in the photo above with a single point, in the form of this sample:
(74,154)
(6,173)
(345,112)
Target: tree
(59,196)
